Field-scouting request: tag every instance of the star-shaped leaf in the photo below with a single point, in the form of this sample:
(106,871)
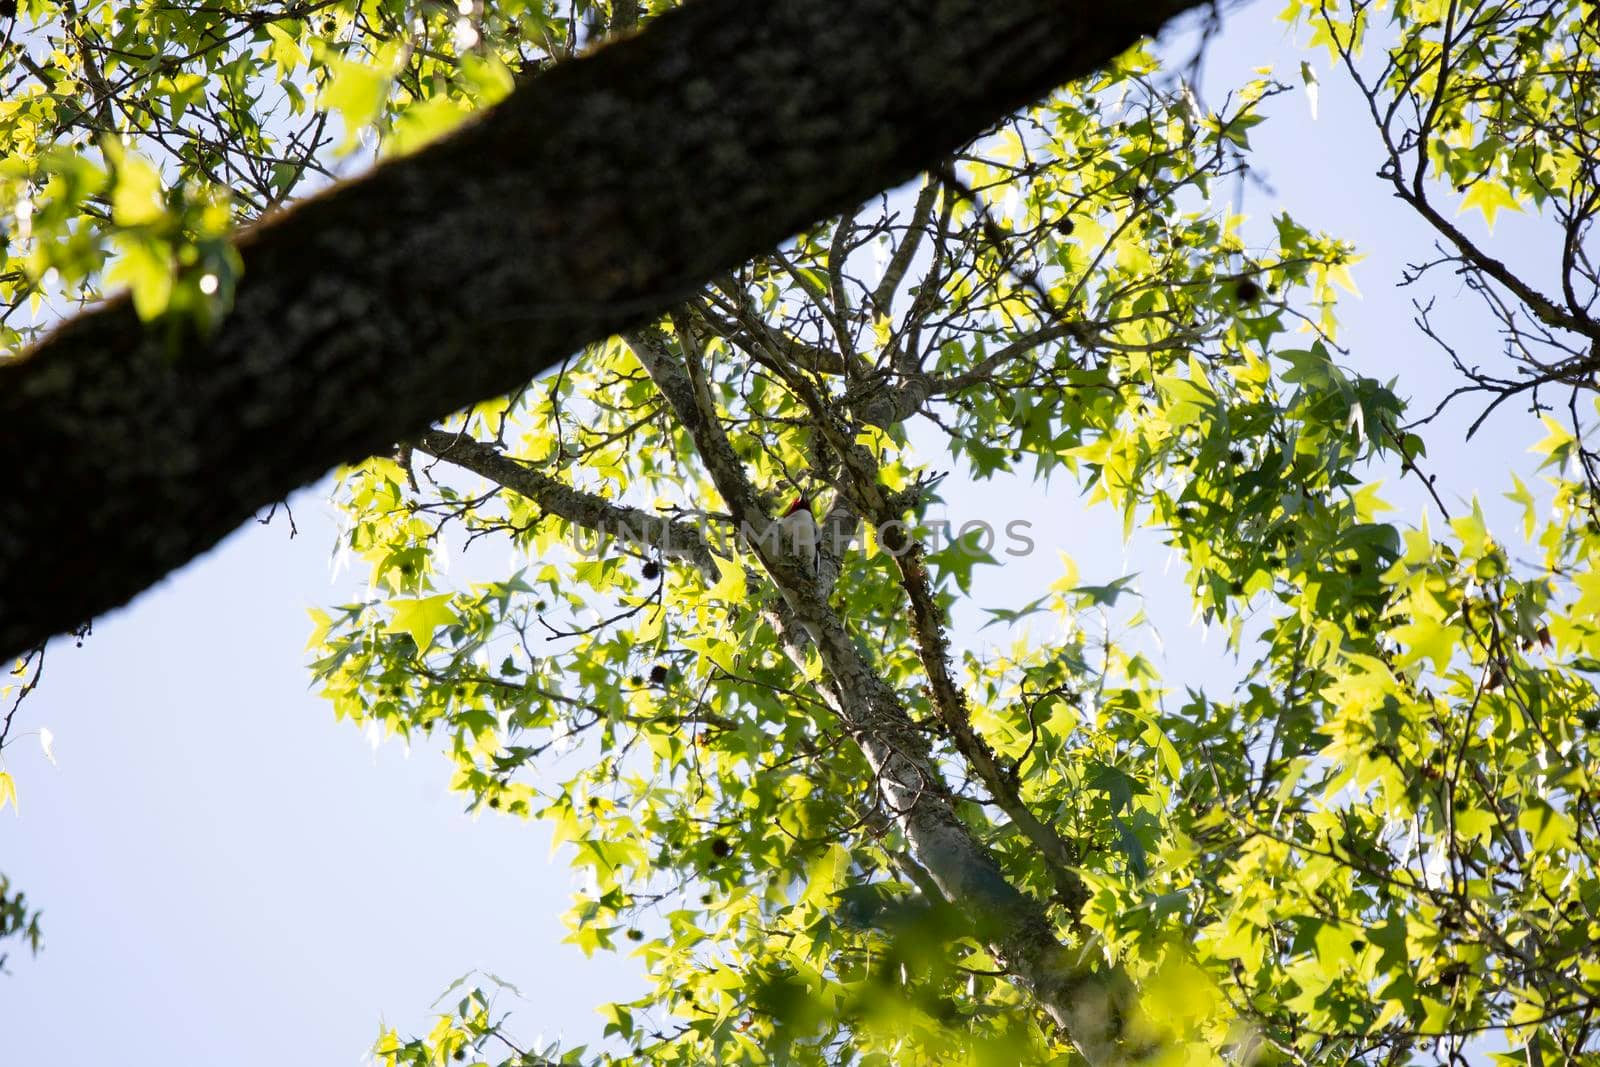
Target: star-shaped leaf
(730,587)
(420,618)
(1489,197)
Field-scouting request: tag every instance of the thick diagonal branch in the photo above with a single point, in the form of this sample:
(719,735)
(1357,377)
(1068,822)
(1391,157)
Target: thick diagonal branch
(675,540)
(950,701)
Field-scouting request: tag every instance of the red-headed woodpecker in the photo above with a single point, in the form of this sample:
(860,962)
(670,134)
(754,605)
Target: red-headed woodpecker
(800,533)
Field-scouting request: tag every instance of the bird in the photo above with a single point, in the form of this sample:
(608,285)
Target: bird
(799,532)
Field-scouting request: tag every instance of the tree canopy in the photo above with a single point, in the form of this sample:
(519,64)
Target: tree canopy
(579,205)
(830,832)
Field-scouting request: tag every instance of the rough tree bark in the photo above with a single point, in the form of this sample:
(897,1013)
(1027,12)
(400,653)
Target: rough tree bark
(593,198)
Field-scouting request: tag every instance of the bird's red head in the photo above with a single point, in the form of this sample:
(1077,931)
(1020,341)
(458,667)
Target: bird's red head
(800,504)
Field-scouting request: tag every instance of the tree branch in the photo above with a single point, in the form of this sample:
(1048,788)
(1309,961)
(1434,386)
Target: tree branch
(676,540)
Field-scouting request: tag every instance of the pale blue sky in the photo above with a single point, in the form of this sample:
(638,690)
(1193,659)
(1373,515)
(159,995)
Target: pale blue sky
(228,876)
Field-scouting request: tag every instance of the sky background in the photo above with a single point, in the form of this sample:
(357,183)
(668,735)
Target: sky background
(229,876)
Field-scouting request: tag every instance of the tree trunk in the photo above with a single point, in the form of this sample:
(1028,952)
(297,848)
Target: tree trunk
(593,198)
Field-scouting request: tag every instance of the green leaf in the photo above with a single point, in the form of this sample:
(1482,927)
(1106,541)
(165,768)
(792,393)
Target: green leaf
(422,122)
(285,51)
(730,587)
(959,557)
(145,267)
(1551,830)
(491,80)
(356,92)
(826,873)
(1429,639)
(1556,446)
(1489,196)
(136,196)
(420,618)
(1106,595)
